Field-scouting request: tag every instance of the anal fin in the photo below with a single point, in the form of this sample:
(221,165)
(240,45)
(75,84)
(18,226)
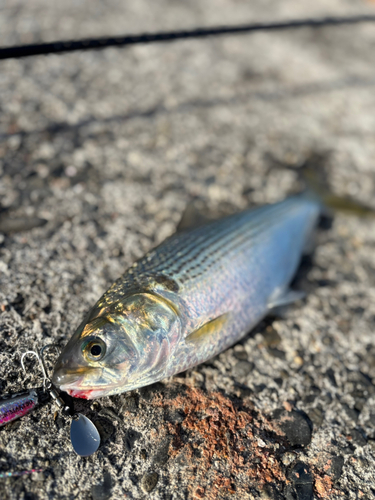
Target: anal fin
(208,330)
(284,298)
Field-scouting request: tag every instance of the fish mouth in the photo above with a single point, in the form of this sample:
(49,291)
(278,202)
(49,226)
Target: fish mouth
(63,377)
(73,384)
(83,393)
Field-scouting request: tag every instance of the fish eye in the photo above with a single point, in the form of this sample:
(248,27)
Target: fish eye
(94,349)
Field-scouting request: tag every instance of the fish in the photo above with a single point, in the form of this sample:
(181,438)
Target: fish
(190,298)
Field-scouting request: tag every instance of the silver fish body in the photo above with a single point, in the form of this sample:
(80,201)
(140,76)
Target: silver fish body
(187,300)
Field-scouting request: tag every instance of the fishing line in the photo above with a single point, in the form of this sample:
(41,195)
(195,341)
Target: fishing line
(57,47)
(19,473)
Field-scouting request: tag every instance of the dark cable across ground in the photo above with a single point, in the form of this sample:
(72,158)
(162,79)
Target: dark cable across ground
(169,36)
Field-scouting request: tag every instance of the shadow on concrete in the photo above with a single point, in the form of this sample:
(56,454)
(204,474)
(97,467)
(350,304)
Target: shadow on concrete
(314,88)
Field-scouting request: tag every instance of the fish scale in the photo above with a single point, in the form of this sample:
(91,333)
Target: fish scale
(238,237)
(250,274)
(209,239)
(203,248)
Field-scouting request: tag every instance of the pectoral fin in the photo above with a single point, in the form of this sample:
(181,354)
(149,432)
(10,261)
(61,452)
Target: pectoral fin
(284,298)
(208,330)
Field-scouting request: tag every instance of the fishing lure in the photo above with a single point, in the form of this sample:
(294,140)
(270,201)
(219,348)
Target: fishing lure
(190,298)
(13,406)
(17,405)
(83,433)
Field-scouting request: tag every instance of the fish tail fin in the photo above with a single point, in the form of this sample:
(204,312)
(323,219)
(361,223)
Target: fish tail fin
(317,190)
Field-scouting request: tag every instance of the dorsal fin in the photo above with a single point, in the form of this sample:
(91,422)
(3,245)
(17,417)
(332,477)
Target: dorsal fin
(192,217)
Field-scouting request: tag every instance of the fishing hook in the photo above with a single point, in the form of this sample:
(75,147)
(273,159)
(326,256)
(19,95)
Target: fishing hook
(39,354)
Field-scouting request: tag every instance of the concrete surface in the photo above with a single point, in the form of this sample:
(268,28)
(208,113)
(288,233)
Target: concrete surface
(108,148)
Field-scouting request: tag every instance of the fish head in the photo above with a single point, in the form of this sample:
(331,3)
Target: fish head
(120,351)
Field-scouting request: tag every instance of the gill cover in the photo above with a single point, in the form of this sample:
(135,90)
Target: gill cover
(128,345)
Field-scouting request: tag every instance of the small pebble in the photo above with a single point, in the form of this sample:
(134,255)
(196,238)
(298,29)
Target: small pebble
(130,404)
(162,454)
(131,436)
(295,425)
(316,416)
(174,415)
(358,438)
(241,355)
(331,377)
(362,463)
(105,428)
(149,481)
(271,337)
(276,353)
(288,458)
(298,360)
(242,369)
(302,481)
(335,467)
(351,413)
